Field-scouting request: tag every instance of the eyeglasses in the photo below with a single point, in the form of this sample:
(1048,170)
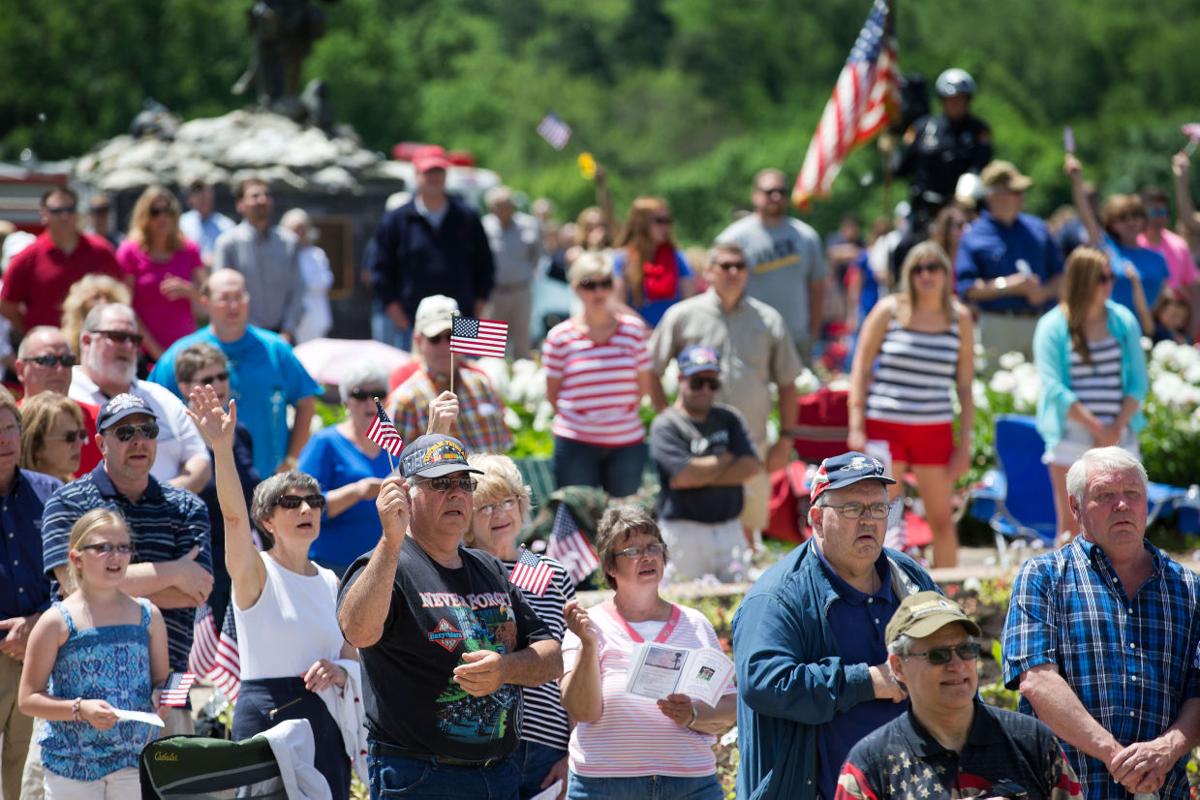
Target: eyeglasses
(652,549)
(216,377)
(663,219)
(121,337)
(108,548)
(698,382)
(70,437)
(490,508)
(441,337)
(446,483)
(1105,278)
(591,285)
(124,433)
(60,211)
(774,191)
(921,268)
(158,211)
(856,510)
(940,656)
(49,362)
(293,501)
(731,266)
(366,394)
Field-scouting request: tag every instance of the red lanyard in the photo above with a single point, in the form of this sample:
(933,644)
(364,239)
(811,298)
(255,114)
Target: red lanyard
(663,635)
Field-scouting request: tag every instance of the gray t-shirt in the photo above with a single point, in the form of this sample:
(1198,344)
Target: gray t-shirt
(783,261)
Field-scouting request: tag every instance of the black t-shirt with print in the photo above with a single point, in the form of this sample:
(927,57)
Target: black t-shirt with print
(437,615)
(675,439)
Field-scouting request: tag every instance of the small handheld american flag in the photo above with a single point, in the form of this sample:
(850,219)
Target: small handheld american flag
(383,433)
(556,132)
(531,573)
(175,693)
(569,547)
(478,337)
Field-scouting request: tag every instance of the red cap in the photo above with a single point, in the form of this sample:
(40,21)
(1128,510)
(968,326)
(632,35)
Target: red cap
(430,157)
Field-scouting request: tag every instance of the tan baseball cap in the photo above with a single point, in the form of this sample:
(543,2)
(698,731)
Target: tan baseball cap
(435,315)
(1004,175)
(925,613)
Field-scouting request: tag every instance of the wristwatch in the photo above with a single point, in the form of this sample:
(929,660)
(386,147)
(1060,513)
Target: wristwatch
(1001,283)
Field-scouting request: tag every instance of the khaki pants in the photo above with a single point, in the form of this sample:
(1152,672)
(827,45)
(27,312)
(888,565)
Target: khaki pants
(756,507)
(1001,333)
(515,306)
(32,787)
(17,729)
(177,722)
(124,784)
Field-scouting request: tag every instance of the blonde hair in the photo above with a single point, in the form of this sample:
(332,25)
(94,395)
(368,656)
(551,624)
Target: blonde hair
(589,266)
(85,294)
(97,519)
(1080,276)
(500,479)
(140,221)
(38,415)
(639,244)
(907,297)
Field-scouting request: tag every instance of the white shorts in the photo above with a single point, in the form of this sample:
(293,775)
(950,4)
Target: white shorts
(704,548)
(1076,441)
(123,784)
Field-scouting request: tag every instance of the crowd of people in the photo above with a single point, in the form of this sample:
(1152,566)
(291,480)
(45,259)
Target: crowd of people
(163,490)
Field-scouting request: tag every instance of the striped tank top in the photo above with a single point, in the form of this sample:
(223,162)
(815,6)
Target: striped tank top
(1098,385)
(915,376)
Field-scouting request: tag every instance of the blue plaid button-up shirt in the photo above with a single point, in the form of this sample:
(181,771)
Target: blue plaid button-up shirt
(1132,662)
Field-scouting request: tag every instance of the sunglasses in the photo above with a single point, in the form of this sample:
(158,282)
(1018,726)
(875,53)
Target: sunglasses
(441,337)
(367,394)
(1106,278)
(293,501)
(216,377)
(698,382)
(121,337)
(98,210)
(158,211)
(774,191)
(652,549)
(940,656)
(70,437)
(590,285)
(930,268)
(124,433)
(67,360)
(732,266)
(108,548)
(446,483)
(662,220)
(60,211)
(1157,212)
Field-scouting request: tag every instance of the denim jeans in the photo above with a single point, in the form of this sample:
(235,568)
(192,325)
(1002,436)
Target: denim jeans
(646,787)
(617,470)
(384,330)
(398,776)
(533,761)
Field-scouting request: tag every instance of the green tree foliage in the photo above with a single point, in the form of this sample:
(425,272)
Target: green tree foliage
(683,98)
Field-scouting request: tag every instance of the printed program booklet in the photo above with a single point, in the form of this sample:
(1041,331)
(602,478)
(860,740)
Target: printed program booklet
(657,670)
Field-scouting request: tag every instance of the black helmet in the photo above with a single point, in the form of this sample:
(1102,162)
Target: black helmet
(955,81)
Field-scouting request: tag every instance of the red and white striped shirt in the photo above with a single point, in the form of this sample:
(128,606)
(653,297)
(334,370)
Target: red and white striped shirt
(599,396)
(633,737)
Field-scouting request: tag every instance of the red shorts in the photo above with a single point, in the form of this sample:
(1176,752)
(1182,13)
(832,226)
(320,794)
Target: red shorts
(919,445)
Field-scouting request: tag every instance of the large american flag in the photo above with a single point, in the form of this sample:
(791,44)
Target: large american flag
(531,573)
(865,97)
(554,130)
(478,337)
(383,432)
(569,547)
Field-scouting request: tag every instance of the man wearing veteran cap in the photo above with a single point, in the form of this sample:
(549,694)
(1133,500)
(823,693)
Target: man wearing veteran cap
(950,743)
(480,413)
(1008,264)
(808,639)
(172,562)
(703,454)
(445,639)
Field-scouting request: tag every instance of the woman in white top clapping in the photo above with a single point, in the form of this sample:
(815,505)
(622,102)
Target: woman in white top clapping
(284,604)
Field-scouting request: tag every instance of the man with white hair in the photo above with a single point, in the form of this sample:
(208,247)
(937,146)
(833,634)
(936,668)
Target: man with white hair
(108,348)
(1101,639)
(516,242)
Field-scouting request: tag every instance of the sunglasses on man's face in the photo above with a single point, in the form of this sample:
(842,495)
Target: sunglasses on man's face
(293,501)
(49,362)
(774,191)
(60,211)
(698,382)
(446,483)
(121,337)
(216,377)
(366,394)
(124,433)
(940,656)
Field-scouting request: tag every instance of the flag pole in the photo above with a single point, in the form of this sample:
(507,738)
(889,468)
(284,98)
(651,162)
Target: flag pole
(452,316)
(391,461)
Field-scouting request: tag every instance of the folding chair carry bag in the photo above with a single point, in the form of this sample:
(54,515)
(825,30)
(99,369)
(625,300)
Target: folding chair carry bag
(199,768)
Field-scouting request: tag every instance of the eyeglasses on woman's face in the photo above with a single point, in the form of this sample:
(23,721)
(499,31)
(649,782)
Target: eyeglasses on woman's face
(487,509)
(105,549)
(652,549)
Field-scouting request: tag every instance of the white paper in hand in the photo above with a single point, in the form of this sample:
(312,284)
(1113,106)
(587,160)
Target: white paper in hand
(550,793)
(140,716)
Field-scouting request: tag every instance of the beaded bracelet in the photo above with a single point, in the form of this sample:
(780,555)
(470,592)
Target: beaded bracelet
(75,709)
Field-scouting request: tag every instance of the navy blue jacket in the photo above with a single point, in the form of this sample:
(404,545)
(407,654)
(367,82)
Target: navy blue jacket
(411,260)
(790,676)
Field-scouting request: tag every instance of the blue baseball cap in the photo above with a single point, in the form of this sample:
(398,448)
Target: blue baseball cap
(121,406)
(434,455)
(697,358)
(838,472)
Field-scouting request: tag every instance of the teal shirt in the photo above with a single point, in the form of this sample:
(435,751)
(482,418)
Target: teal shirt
(1052,356)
